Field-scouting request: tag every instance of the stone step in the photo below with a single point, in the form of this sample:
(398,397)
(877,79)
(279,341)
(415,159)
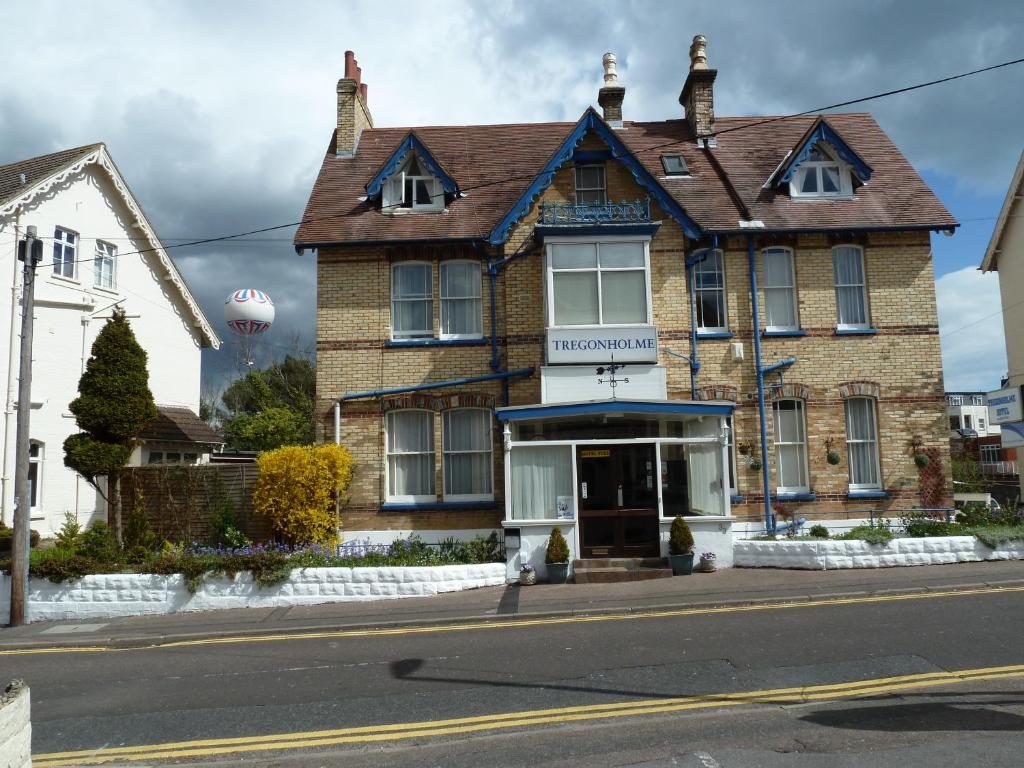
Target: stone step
(610,570)
(621,562)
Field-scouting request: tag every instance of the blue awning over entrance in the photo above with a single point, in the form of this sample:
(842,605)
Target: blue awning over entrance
(599,407)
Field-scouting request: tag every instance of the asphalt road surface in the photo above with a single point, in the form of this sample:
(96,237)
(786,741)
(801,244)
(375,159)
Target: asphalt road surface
(914,680)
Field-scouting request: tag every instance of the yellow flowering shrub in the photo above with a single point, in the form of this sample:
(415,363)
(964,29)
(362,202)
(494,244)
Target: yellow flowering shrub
(297,489)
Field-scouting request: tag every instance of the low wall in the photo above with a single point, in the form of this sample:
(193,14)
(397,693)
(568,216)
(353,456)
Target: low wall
(15,727)
(829,555)
(128,594)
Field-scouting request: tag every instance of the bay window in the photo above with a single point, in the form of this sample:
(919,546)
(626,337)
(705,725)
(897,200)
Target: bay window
(461,305)
(862,444)
(412,301)
(779,279)
(851,287)
(466,444)
(790,447)
(598,283)
(709,279)
(409,444)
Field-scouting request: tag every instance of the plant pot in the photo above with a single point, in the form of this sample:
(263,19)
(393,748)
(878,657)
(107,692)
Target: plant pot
(921,459)
(526,578)
(706,566)
(682,565)
(832,458)
(558,573)
(754,465)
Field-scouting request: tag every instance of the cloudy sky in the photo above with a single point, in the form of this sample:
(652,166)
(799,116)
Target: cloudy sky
(218,113)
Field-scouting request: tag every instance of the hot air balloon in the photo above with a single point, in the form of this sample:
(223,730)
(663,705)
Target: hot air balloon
(248,313)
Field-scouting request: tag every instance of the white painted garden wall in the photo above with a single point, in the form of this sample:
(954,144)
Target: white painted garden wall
(126,594)
(829,555)
(15,727)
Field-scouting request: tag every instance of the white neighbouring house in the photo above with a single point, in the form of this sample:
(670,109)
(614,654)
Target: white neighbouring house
(93,229)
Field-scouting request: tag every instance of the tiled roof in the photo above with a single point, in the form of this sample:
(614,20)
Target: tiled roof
(179,425)
(494,164)
(36,169)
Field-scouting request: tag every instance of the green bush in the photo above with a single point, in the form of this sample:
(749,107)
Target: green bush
(97,543)
(70,534)
(558,548)
(920,525)
(871,534)
(997,535)
(7,537)
(224,528)
(680,541)
(818,532)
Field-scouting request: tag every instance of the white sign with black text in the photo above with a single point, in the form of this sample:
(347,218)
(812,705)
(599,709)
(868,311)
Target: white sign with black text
(638,344)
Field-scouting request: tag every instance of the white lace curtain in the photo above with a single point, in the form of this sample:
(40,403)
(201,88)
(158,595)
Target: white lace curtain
(862,442)
(410,443)
(540,474)
(848,263)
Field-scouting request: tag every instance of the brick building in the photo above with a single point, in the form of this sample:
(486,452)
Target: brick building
(477,283)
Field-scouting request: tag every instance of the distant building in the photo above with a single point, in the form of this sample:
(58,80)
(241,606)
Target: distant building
(101,252)
(971,432)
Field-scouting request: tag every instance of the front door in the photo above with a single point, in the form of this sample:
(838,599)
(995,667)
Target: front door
(618,501)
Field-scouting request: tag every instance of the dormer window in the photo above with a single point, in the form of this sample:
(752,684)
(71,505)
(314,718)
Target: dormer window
(590,185)
(413,188)
(821,175)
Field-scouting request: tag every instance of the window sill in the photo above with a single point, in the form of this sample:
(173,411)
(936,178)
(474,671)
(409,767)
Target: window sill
(736,499)
(434,506)
(714,334)
(394,343)
(806,496)
(867,495)
(547,521)
(775,334)
(64,280)
(856,331)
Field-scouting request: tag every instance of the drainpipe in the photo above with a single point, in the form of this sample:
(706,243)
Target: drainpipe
(756,322)
(337,422)
(691,262)
(493,268)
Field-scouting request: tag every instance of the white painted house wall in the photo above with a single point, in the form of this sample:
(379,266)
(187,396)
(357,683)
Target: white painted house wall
(71,312)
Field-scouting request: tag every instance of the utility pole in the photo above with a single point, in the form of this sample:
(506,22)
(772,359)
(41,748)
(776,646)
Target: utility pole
(30,251)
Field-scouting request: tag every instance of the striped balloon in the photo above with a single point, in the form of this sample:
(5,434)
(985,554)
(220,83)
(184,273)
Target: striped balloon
(248,312)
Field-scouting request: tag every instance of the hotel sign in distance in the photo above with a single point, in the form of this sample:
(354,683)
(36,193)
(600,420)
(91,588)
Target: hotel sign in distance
(1004,406)
(635,344)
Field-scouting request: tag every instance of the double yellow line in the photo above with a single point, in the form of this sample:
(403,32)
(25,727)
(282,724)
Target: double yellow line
(465,725)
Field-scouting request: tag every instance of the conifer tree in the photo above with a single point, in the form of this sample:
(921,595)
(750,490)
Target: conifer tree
(114,404)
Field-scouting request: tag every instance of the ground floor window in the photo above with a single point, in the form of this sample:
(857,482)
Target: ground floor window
(35,474)
(542,482)
(790,447)
(409,438)
(990,453)
(862,443)
(691,479)
(466,443)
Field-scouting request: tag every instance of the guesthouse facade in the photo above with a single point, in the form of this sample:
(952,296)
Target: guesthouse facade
(604,324)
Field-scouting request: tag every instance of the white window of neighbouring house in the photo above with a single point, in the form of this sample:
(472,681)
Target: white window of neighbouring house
(851,287)
(413,189)
(35,475)
(65,246)
(604,283)
(709,280)
(412,300)
(409,438)
(968,422)
(955,399)
(862,444)
(104,266)
(821,175)
(990,453)
(790,447)
(977,400)
(590,186)
(461,305)
(954,422)
(780,308)
(466,444)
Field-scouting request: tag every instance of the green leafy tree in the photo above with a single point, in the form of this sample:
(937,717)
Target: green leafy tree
(967,475)
(271,407)
(114,404)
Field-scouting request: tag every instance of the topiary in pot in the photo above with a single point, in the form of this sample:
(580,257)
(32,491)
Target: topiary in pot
(680,547)
(557,557)
(921,460)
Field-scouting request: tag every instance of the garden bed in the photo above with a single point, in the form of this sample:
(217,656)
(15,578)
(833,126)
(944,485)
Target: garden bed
(830,554)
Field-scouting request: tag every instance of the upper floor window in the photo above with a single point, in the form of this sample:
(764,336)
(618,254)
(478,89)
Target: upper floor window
(862,444)
(604,283)
(851,287)
(467,464)
(977,399)
(409,444)
(412,300)
(590,186)
(461,304)
(821,175)
(674,165)
(968,421)
(954,422)
(65,247)
(790,446)
(709,280)
(955,399)
(103,268)
(981,423)
(413,188)
(779,290)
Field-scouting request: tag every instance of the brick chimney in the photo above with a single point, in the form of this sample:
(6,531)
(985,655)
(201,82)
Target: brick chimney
(698,96)
(611,94)
(353,114)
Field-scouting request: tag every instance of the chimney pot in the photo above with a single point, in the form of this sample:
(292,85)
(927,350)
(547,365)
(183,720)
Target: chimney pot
(611,77)
(353,114)
(698,95)
(611,95)
(350,65)
(359,74)
(362,91)
(699,53)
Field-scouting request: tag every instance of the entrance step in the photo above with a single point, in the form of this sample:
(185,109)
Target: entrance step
(614,569)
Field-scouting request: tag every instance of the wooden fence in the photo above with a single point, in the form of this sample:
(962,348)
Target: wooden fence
(183,501)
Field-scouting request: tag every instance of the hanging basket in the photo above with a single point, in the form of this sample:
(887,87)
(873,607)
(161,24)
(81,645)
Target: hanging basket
(832,457)
(921,460)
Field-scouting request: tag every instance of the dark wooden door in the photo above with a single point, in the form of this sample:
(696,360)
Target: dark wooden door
(618,501)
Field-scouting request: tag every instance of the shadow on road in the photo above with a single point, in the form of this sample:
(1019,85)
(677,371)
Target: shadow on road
(963,715)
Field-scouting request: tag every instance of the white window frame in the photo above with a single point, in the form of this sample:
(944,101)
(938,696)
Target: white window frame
(781,489)
(106,253)
(955,399)
(550,280)
(489,452)
(817,167)
(444,299)
(420,333)
(863,289)
(732,469)
(603,189)
(697,267)
(410,498)
(873,410)
(791,288)
(68,252)
(990,450)
(393,191)
(968,421)
(37,459)
(977,400)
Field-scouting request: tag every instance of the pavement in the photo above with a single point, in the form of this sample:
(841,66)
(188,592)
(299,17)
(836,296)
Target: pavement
(734,586)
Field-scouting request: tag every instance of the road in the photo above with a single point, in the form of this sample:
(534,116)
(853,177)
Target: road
(932,679)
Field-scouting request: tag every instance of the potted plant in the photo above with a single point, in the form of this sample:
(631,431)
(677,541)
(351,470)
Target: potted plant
(527,575)
(680,548)
(831,455)
(557,557)
(707,562)
(921,459)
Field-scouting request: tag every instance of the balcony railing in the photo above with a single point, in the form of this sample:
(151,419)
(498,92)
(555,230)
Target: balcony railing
(989,468)
(624,212)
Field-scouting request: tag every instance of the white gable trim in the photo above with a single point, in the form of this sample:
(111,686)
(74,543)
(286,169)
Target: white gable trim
(990,262)
(100,157)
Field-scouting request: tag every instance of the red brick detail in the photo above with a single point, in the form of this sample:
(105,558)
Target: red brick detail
(790,392)
(717,392)
(859,389)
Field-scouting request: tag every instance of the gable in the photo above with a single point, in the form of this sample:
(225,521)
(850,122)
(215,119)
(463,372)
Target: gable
(820,132)
(411,143)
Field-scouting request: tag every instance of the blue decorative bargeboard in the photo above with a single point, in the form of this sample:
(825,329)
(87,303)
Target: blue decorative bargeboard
(618,213)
